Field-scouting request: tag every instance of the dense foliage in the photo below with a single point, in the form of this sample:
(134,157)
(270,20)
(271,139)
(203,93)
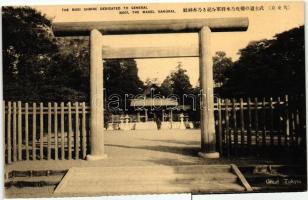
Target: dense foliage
(28,51)
(269,67)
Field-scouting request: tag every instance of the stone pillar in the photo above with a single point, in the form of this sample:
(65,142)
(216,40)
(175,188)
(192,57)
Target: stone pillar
(208,137)
(127,124)
(182,125)
(96,98)
(121,124)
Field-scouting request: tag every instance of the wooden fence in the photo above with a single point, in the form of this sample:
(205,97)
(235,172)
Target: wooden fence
(36,131)
(61,131)
(260,124)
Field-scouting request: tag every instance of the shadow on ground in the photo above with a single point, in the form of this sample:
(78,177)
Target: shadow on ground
(186,151)
(191,143)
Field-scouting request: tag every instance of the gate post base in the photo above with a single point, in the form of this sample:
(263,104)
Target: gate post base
(213,155)
(96,157)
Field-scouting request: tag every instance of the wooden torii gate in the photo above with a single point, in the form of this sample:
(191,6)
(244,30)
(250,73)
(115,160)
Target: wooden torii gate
(98,52)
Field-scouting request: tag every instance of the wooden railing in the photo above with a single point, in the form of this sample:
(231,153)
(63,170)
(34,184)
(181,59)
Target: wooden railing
(51,131)
(245,124)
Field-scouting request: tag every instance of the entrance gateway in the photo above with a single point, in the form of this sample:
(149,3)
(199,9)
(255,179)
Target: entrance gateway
(98,52)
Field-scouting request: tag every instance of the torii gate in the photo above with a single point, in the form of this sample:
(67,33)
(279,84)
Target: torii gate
(203,51)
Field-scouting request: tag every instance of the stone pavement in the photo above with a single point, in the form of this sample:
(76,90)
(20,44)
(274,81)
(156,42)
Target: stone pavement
(93,181)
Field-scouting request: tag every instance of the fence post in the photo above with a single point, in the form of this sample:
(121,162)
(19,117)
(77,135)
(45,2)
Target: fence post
(264,123)
(19,131)
(286,120)
(27,130)
(296,114)
(271,122)
(84,136)
(242,123)
(62,131)
(69,130)
(41,131)
(228,136)
(256,121)
(14,132)
(249,123)
(219,126)
(56,129)
(279,120)
(9,147)
(49,132)
(291,120)
(235,133)
(76,131)
(223,123)
(34,132)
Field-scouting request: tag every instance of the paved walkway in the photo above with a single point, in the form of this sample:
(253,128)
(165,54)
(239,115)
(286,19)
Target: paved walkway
(93,181)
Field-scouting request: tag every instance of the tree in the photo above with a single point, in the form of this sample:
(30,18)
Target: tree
(221,65)
(121,78)
(177,84)
(180,83)
(166,87)
(36,65)
(28,47)
(69,76)
(270,67)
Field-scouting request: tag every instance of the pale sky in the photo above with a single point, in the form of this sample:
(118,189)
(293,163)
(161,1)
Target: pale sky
(262,25)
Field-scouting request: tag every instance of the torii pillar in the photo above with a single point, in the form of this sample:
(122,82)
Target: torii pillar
(96,97)
(208,136)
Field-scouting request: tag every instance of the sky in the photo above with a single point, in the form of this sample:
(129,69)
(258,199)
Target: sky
(275,18)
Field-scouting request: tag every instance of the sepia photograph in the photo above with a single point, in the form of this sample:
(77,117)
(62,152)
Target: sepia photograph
(153,98)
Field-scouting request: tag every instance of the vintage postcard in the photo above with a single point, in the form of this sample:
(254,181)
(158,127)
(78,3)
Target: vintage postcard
(153,98)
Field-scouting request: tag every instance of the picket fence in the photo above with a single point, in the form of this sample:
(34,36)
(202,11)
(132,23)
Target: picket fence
(252,125)
(35,131)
